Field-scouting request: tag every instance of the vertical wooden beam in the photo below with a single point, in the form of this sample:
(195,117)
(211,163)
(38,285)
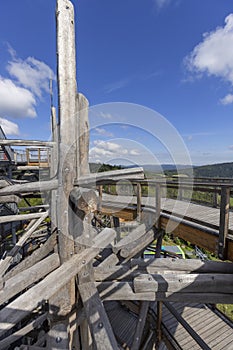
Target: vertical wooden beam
(83,136)
(100,197)
(215,198)
(158,206)
(100,327)
(54,168)
(139,202)
(159,321)
(140,325)
(224,221)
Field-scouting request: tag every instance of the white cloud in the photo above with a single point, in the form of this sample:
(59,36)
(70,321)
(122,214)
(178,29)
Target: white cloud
(106,151)
(31,73)
(9,127)
(117,85)
(214,55)
(228,99)
(16,101)
(103,132)
(161,3)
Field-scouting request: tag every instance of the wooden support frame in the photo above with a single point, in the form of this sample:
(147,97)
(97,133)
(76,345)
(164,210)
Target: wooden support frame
(100,327)
(144,307)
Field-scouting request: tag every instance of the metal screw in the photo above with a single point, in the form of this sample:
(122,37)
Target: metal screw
(100,325)
(84,262)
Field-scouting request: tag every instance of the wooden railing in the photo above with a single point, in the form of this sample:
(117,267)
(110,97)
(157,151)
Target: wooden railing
(222,190)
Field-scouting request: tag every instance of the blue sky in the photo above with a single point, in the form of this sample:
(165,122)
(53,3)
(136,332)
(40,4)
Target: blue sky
(172,56)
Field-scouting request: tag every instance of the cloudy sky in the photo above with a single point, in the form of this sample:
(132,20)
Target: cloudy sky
(173,57)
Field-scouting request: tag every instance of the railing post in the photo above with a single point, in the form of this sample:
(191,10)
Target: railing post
(139,202)
(100,197)
(224,221)
(158,206)
(215,198)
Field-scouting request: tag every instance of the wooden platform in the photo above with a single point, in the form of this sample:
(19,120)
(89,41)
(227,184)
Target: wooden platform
(212,329)
(216,333)
(195,223)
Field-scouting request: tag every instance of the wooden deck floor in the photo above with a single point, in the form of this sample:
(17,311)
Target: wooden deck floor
(198,213)
(214,331)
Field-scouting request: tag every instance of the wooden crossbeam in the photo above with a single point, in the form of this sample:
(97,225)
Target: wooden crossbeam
(187,283)
(37,186)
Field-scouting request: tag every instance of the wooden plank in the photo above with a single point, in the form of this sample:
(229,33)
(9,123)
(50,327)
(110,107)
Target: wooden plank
(24,279)
(20,217)
(37,186)
(189,329)
(188,283)
(138,245)
(36,256)
(144,306)
(36,143)
(51,284)
(131,237)
(98,321)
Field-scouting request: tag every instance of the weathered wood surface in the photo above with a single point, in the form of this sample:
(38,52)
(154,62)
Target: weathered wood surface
(26,278)
(138,245)
(5,263)
(51,284)
(20,217)
(100,327)
(40,186)
(14,142)
(207,324)
(186,283)
(189,265)
(121,291)
(131,237)
(223,222)
(36,256)
(144,307)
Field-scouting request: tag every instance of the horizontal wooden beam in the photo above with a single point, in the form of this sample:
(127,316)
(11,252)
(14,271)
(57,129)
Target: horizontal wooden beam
(37,186)
(189,265)
(20,217)
(116,175)
(34,143)
(186,283)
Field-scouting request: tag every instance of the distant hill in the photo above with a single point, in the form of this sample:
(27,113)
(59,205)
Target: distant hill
(213,170)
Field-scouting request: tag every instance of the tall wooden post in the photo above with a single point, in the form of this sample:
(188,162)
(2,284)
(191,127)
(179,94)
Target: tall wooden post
(62,303)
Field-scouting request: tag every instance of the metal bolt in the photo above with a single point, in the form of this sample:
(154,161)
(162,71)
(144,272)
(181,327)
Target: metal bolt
(58,339)
(149,279)
(220,244)
(100,325)
(84,262)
